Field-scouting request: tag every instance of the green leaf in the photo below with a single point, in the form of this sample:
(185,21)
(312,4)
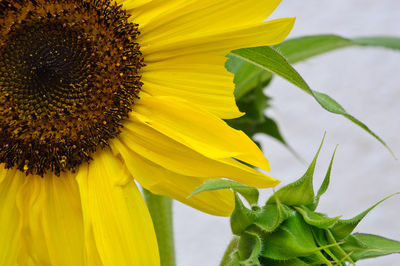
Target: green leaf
(265,125)
(249,193)
(255,121)
(300,192)
(363,246)
(325,184)
(254,105)
(316,219)
(247,76)
(344,228)
(249,248)
(380,41)
(269,59)
(291,240)
(302,48)
(241,217)
(233,65)
(272,215)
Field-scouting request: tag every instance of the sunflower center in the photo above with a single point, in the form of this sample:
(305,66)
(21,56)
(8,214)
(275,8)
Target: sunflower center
(69,74)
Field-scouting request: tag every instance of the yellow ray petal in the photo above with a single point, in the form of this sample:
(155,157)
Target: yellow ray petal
(164,182)
(146,14)
(51,221)
(193,68)
(130,5)
(10,183)
(198,130)
(176,17)
(200,79)
(178,158)
(117,214)
(222,106)
(180,39)
(267,33)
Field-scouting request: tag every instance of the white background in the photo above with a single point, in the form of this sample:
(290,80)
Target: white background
(366,81)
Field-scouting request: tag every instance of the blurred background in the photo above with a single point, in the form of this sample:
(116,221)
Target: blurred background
(366,81)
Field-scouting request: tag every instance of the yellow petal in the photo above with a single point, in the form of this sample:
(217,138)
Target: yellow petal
(178,158)
(198,130)
(130,5)
(184,43)
(10,183)
(51,221)
(199,79)
(267,33)
(177,17)
(164,182)
(115,214)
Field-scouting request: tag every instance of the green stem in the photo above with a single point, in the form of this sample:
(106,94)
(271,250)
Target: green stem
(161,212)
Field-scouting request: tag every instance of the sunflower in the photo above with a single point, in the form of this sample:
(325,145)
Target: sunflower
(95,95)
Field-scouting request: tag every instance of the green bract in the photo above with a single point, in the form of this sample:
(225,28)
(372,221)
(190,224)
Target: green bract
(288,231)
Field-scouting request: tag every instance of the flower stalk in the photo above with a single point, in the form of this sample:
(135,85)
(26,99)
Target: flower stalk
(160,208)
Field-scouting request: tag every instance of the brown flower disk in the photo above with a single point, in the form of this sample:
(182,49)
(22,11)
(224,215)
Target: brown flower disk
(69,74)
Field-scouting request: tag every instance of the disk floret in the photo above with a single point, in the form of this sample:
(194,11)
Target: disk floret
(69,75)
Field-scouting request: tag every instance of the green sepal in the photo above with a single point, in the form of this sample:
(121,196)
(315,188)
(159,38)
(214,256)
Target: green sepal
(230,256)
(272,215)
(292,239)
(300,192)
(284,233)
(325,184)
(234,260)
(316,219)
(249,193)
(364,246)
(241,217)
(249,249)
(343,228)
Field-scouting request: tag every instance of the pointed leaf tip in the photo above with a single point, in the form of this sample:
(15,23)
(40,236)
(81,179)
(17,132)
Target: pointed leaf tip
(325,184)
(344,228)
(300,192)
